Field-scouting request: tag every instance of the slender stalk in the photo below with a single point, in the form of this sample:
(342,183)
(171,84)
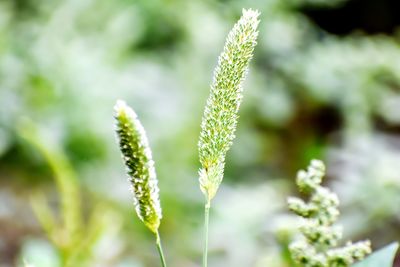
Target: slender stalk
(160,250)
(206,220)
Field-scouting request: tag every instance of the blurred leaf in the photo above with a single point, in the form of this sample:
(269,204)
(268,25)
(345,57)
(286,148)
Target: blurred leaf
(101,220)
(382,258)
(45,216)
(67,236)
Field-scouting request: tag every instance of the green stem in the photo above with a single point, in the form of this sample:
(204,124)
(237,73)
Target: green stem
(206,220)
(160,250)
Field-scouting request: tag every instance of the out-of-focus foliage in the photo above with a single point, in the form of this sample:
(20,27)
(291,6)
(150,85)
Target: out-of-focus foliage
(73,237)
(317,244)
(310,93)
(382,257)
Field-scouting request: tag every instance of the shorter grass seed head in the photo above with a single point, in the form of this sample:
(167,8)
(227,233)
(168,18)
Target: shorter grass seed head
(137,157)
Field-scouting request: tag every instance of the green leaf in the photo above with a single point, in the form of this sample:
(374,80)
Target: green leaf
(382,258)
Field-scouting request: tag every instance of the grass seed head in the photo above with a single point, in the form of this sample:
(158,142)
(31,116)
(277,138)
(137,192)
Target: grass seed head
(221,112)
(137,157)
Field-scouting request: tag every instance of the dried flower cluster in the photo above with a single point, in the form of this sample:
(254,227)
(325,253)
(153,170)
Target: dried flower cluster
(137,156)
(317,246)
(221,112)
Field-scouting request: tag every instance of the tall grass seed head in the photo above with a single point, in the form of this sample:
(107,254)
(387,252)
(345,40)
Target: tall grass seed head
(137,157)
(221,112)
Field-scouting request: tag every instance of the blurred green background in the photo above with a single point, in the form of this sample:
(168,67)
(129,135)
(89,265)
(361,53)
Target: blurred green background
(324,83)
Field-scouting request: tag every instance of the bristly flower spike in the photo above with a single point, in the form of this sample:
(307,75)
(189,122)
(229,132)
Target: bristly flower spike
(137,157)
(221,112)
(220,116)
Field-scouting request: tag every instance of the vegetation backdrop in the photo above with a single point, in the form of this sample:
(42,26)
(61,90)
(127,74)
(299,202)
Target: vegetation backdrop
(324,83)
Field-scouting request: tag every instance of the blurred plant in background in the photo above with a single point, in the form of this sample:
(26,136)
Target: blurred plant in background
(312,92)
(73,237)
(320,236)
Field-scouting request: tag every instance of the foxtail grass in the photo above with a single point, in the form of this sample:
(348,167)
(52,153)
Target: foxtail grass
(137,156)
(221,112)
